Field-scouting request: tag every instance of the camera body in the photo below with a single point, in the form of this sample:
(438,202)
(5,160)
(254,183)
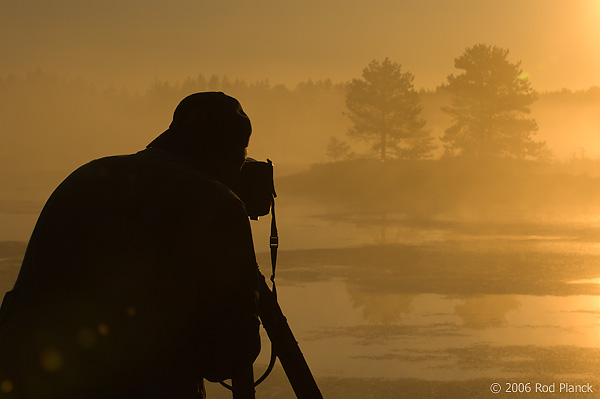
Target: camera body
(255,187)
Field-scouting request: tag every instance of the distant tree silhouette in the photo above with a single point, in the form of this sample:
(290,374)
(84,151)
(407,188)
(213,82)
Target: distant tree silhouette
(489,102)
(384,108)
(337,149)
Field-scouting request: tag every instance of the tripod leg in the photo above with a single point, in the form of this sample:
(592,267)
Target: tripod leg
(243,384)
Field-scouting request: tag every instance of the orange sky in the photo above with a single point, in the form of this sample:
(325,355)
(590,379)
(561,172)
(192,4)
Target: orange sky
(132,42)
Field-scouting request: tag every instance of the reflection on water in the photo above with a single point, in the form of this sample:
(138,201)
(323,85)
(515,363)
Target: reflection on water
(385,306)
(451,304)
(587,281)
(441,337)
(486,311)
(382,309)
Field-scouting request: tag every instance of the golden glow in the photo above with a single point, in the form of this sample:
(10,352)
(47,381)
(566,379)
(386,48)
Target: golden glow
(131,312)
(559,39)
(51,360)
(103,329)
(524,77)
(445,233)
(7,386)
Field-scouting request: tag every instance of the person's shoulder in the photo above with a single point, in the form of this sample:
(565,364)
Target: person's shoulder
(185,181)
(163,176)
(100,168)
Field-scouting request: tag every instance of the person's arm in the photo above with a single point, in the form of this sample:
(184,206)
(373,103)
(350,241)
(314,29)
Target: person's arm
(232,340)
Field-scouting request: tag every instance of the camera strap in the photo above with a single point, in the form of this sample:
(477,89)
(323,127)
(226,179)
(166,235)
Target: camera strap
(274,243)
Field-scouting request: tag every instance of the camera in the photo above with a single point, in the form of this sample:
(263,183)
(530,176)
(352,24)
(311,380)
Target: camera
(255,187)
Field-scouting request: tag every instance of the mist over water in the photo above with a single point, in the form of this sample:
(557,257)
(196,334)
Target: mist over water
(405,278)
(51,125)
(438,307)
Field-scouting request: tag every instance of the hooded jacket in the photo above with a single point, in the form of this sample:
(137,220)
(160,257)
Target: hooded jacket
(139,280)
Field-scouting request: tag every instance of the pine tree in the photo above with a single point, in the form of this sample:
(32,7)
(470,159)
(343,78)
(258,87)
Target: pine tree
(384,109)
(490,102)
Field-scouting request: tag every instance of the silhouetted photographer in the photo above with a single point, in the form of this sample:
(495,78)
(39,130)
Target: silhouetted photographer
(140,277)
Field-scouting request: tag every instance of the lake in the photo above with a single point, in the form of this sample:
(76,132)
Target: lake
(384,306)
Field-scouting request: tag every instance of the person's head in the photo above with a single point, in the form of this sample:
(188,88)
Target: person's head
(211,129)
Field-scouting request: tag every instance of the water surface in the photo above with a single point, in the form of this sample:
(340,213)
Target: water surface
(387,306)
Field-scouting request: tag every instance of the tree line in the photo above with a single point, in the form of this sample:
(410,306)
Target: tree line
(489,108)
(42,111)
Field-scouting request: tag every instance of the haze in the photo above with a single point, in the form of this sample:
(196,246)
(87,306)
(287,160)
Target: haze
(421,277)
(130,43)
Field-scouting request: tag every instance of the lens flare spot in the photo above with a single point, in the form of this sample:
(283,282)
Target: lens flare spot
(524,77)
(131,311)
(51,360)
(7,386)
(103,329)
